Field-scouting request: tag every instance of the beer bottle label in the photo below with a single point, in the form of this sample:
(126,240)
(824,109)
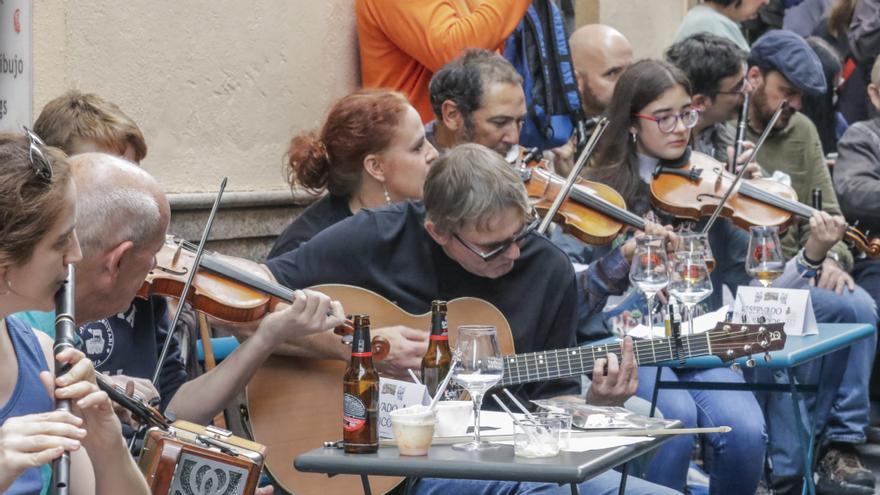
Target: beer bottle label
(444,330)
(354,413)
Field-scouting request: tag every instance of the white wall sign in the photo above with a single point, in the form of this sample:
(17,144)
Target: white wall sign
(16,68)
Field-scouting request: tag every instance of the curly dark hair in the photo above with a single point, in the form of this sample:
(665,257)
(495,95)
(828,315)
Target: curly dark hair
(462,80)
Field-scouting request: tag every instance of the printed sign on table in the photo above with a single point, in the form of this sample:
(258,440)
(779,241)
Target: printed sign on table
(790,306)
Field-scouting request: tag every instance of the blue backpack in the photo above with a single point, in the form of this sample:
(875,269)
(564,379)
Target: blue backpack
(538,49)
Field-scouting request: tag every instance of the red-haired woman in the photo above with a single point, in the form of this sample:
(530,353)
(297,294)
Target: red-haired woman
(371,151)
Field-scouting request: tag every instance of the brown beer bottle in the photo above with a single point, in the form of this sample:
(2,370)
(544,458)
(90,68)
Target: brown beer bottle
(436,362)
(360,394)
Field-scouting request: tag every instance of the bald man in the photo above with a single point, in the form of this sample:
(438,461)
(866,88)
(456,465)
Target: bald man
(600,54)
(122,217)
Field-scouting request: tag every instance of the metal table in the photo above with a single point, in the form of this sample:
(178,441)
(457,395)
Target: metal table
(499,464)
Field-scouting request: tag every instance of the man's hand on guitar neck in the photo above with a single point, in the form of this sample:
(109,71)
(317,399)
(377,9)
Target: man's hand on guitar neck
(408,346)
(613,383)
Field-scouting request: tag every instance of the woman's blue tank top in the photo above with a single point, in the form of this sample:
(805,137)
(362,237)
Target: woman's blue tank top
(29,396)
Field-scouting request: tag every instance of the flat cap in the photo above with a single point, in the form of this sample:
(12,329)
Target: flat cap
(790,54)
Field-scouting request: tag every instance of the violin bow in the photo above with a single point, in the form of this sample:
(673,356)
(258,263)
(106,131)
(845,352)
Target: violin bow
(186,286)
(739,174)
(574,174)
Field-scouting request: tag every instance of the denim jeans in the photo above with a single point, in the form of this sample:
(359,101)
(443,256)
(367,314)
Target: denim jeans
(840,409)
(606,483)
(737,457)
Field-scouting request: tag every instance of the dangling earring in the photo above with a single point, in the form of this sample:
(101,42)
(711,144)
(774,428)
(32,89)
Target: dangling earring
(633,135)
(9,288)
(387,196)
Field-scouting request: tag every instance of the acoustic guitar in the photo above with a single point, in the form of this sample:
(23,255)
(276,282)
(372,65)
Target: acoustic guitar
(295,404)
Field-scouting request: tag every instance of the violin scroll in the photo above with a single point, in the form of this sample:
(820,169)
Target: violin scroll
(859,241)
(380,345)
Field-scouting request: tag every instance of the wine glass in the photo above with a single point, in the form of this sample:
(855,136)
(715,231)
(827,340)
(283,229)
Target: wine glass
(479,368)
(690,282)
(764,260)
(649,271)
(697,242)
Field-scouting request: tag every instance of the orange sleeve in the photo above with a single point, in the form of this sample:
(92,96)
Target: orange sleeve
(434,33)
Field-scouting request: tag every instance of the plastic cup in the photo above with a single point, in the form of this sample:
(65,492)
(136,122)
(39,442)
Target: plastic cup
(413,429)
(453,418)
(537,437)
(564,427)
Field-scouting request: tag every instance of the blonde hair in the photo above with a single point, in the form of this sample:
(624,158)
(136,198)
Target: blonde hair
(470,185)
(76,115)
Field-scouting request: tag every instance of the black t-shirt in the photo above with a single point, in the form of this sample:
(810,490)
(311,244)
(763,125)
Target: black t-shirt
(129,344)
(388,251)
(317,217)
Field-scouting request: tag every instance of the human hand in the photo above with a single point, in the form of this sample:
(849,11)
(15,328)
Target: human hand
(265,490)
(613,383)
(834,277)
(87,401)
(310,312)
(407,347)
(139,388)
(36,439)
(825,232)
(563,157)
(655,229)
(753,170)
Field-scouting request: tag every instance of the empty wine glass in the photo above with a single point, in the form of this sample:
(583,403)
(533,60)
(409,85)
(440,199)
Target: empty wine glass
(696,242)
(764,260)
(648,271)
(690,283)
(480,367)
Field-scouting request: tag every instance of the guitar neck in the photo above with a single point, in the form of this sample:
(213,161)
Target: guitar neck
(562,363)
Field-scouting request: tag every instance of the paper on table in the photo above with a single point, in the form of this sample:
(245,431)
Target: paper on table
(586,444)
(702,323)
(494,423)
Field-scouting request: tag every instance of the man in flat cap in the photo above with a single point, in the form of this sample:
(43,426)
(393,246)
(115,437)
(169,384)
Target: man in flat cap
(782,67)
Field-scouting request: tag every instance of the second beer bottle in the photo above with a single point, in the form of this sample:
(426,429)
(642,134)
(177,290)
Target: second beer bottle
(360,399)
(438,358)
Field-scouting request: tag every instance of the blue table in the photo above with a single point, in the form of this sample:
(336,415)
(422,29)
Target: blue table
(798,350)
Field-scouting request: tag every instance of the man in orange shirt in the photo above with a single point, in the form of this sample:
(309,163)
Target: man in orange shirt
(402,43)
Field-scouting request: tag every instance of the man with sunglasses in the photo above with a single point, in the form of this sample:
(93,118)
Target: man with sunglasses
(472,236)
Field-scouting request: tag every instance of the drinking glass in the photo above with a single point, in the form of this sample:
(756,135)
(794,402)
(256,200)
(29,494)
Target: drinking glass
(480,367)
(697,242)
(649,272)
(764,260)
(690,283)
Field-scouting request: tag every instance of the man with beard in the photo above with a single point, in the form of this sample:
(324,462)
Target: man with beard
(783,67)
(477,98)
(599,54)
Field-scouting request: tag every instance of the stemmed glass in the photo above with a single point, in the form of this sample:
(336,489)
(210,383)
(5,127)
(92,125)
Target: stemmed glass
(697,242)
(480,367)
(649,271)
(690,282)
(764,260)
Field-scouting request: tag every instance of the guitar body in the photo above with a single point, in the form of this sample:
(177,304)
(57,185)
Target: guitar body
(295,404)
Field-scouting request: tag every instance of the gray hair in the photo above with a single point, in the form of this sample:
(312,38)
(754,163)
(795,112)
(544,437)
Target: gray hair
(116,202)
(471,185)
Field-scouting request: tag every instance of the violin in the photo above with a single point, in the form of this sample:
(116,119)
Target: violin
(234,294)
(695,190)
(592,212)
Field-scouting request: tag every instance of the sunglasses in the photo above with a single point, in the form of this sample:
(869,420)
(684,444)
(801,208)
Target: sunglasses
(504,245)
(37,153)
